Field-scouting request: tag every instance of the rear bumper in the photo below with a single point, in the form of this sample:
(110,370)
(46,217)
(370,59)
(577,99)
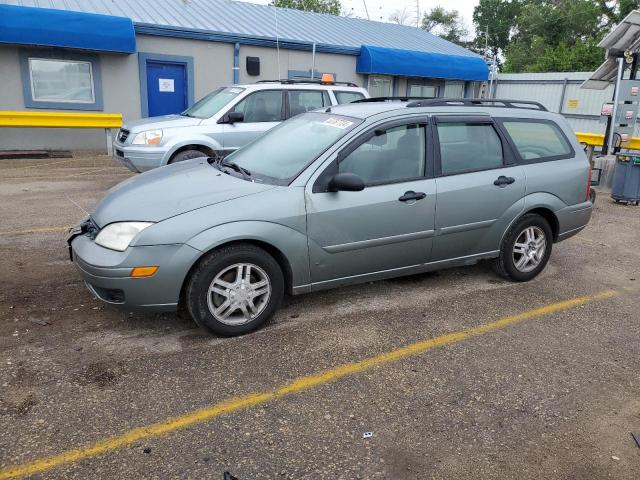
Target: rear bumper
(572,219)
(138,159)
(107,273)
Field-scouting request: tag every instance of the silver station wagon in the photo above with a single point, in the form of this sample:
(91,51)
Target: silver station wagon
(348,194)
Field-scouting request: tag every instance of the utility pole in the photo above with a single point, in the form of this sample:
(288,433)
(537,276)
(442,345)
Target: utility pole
(366,10)
(417,13)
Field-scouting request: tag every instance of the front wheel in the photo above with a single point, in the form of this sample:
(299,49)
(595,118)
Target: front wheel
(234,290)
(525,249)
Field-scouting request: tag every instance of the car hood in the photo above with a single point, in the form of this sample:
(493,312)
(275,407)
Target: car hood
(168,191)
(165,121)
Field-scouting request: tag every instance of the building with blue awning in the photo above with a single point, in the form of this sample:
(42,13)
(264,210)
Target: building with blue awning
(109,56)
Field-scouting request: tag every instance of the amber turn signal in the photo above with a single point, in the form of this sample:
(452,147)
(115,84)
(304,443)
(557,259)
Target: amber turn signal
(144,271)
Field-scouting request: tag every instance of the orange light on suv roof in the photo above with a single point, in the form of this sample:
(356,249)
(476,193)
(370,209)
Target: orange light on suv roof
(140,272)
(327,78)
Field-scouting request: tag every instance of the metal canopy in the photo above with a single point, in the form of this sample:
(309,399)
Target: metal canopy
(624,37)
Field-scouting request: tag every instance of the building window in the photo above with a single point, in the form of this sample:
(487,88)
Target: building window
(454,89)
(61,81)
(421,88)
(379,86)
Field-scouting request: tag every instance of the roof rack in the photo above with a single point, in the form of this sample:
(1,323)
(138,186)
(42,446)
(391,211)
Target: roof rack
(479,102)
(293,81)
(390,99)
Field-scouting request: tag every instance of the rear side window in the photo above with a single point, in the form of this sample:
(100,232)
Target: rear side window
(537,140)
(347,97)
(303,101)
(468,147)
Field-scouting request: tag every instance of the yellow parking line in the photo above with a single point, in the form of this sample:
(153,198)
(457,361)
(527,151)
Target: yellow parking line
(298,385)
(23,231)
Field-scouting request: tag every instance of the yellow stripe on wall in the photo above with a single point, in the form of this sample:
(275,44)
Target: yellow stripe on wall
(60,119)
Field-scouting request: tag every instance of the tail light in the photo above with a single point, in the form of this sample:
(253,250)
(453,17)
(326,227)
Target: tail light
(588,183)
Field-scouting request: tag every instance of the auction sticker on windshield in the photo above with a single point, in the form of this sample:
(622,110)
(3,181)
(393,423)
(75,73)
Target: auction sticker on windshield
(338,123)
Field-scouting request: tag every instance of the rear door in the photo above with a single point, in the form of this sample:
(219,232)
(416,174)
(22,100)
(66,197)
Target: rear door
(480,187)
(388,226)
(262,111)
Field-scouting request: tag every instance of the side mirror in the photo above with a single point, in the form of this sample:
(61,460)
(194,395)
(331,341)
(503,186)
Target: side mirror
(232,117)
(346,182)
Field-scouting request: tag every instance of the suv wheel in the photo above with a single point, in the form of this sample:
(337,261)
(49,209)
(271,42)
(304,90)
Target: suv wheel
(235,290)
(186,155)
(525,249)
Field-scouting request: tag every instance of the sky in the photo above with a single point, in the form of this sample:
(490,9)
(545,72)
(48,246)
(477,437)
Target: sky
(380,10)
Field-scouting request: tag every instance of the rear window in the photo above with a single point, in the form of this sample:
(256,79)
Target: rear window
(468,147)
(347,97)
(537,140)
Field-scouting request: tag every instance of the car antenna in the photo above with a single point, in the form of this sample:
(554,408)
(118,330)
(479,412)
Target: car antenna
(76,204)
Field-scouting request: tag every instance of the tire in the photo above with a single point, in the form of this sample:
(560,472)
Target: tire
(186,155)
(509,263)
(248,305)
(592,196)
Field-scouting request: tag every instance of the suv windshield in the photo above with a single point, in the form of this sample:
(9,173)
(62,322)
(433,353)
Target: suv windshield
(284,151)
(211,104)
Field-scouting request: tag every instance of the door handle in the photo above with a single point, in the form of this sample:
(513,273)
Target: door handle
(411,195)
(503,181)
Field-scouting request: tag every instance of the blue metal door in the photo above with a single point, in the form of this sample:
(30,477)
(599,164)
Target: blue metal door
(166,88)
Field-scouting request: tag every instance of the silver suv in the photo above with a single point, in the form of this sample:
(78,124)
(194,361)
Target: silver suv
(223,121)
(344,195)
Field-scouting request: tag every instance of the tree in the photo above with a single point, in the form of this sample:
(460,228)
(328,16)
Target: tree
(319,6)
(445,23)
(498,17)
(402,17)
(547,35)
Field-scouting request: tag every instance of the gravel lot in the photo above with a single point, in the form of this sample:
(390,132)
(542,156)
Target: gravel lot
(556,396)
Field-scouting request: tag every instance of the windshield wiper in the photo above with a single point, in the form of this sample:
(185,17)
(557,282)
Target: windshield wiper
(185,114)
(221,162)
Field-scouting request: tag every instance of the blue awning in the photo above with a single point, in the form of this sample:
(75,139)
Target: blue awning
(61,28)
(409,63)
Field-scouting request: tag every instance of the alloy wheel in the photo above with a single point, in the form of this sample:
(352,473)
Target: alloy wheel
(239,293)
(529,249)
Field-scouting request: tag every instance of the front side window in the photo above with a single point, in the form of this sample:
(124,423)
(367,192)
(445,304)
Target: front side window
(284,151)
(64,81)
(347,97)
(303,101)
(467,147)
(264,106)
(208,106)
(537,140)
(389,156)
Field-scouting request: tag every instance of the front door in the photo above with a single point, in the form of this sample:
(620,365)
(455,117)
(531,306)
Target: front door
(166,87)
(262,111)
(385,229)
(480,188)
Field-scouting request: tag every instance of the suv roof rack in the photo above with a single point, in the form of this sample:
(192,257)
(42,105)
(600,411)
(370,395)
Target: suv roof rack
(479,102)
(390,99)
(293,81)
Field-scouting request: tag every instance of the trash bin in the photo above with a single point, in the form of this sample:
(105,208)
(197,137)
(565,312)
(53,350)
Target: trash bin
(626,179)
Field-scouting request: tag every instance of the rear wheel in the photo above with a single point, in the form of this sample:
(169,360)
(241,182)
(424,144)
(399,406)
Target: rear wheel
(525,249)
(186,155)
(235,290)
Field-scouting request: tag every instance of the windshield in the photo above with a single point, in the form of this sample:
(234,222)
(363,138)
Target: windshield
(284,151)
(211,104)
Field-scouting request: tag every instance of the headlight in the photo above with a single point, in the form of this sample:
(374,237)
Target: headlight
(150,137)
(118,236)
